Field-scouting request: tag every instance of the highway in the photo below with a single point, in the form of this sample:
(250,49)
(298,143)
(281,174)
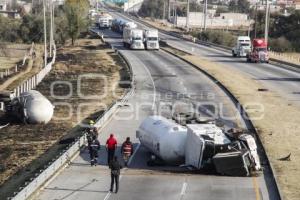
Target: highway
(283,81)
(159,78)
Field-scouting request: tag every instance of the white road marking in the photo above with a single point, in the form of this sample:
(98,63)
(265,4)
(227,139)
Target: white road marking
(154,88)
(183,189)
(137,148)
(107,196)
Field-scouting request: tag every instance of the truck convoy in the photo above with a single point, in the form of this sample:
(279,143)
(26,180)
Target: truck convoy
(259,51)
(242,47)
(133,38)
(30,107)
(200,146)
(151,40)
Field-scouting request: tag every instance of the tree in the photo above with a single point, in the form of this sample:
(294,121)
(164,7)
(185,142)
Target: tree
(31,28)
(76,12)
(152,8)
(242,6)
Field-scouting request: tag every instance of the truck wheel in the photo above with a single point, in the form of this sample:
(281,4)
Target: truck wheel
(233,54)
(248,60)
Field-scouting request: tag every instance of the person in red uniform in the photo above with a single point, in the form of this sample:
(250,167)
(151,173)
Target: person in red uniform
(111,145)
(127,150)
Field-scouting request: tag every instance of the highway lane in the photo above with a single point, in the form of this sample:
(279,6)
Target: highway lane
(156,74)
(283,81)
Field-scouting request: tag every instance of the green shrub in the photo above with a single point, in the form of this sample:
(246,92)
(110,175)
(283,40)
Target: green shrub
(217,37)
(280,44)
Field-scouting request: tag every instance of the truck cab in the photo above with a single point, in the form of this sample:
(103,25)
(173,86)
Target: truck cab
(151,40)
(259,51)
(133,38)
(105,21)
(242,47)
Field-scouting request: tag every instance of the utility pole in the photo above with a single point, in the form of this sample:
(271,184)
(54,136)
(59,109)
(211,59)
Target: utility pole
(45,34)
(255,23)
(164,12)
(176,12)
(51,26)
(188,15)
(169,10)
(205,14)
(267,22)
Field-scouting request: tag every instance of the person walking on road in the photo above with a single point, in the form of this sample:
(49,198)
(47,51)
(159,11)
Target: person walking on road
(111,145)
(127,150)
(115,168)
(94,148)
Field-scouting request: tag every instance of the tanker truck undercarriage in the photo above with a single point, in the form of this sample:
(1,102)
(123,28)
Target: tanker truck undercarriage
(199,146)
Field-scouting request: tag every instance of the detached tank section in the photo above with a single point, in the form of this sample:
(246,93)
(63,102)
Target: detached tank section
(30,107)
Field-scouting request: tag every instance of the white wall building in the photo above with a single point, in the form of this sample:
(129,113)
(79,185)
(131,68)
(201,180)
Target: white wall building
(224,21)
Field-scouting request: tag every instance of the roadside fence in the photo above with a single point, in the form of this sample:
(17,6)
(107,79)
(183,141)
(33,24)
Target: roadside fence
(285,57)
(13,70)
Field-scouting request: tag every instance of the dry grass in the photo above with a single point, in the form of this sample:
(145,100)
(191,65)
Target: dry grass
(278,129)
(28,142)
(8,62)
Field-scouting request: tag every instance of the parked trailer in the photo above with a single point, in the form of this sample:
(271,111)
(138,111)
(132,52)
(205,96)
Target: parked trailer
(151,40)
(133,38)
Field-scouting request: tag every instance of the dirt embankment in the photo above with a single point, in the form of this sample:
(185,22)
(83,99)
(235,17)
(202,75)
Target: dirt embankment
(277,121)
(31,67)
(81,86)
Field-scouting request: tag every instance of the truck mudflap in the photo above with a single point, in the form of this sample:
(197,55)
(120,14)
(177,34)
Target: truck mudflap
(233,163)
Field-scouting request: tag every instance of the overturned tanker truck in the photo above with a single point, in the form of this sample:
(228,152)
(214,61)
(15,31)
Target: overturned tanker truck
(30,107)
(199,146)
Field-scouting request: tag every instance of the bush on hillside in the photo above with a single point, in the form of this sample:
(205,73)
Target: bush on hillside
(217,37)
(280,44)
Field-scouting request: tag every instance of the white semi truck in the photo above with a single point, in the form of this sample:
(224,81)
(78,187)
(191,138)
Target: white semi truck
(151,40)
(242,47)
(105,21)
(133,38)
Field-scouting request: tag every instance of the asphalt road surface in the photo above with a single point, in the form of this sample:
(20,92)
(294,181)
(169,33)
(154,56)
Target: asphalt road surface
(159,78)
(285,82)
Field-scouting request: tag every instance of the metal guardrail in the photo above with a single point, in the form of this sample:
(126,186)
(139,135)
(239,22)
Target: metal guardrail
(65,157)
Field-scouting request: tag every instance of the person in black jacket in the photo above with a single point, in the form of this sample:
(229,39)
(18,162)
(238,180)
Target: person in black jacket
(115,168)
(94,148)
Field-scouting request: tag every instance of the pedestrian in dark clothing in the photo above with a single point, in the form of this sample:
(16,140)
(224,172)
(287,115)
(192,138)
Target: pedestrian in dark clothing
(93,149)
(115,168)
(91,132)
(127,150)
(111,145)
